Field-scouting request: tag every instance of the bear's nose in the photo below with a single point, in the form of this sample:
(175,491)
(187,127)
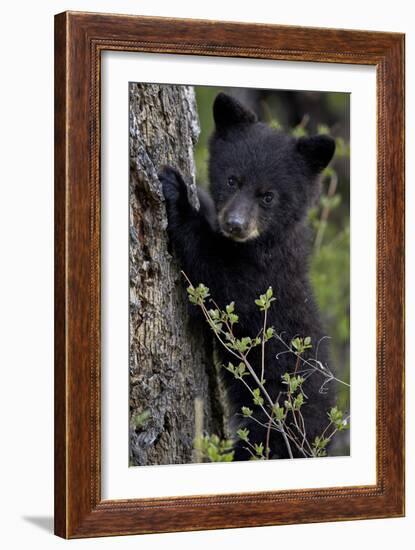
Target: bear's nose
(235,225)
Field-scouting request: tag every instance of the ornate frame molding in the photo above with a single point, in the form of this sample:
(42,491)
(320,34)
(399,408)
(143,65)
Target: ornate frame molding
(79,40)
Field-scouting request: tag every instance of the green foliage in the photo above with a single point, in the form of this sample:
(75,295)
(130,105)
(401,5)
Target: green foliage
(214,449)
(275,124)
(342,148)
(301,344)
(232,317)
(338,419)
(205,96)
(298,402)
(319,446)
(259,450)
(265,300)
(139,421)
(269,333)
(256,394)
(299,131)
(221,321)
(323,129)
(330,267)
(292,381)
(215,320)
(239,371)
(198,295)
(330,262)
(279,412)
(243,434)
(246,411)
(218,318)
(243,344)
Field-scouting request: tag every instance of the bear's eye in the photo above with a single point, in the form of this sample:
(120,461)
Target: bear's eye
(267,198)
(232,181)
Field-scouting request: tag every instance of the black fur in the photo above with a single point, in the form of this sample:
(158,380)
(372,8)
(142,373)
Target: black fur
(249,161)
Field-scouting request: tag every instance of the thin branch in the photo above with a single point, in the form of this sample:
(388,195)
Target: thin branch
(325,212)
(322,370)
(263,345)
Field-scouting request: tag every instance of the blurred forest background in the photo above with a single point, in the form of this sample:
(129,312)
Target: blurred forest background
(307,113)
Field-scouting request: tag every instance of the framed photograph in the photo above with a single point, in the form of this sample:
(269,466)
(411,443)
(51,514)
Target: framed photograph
(229,275)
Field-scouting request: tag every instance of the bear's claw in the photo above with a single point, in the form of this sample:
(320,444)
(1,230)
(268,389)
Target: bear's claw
(172,182)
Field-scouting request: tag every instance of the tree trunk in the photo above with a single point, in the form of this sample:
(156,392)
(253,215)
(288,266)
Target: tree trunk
(171,367)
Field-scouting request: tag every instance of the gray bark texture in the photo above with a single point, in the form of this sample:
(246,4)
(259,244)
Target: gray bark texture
(171,367)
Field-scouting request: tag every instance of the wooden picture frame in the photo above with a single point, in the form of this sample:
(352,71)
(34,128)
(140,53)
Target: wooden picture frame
(79,40)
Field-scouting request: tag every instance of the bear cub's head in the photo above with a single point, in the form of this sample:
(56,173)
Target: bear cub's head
(262,181)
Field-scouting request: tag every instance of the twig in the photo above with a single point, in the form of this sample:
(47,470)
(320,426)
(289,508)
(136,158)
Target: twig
(263,346)
(322,370)
(325,213)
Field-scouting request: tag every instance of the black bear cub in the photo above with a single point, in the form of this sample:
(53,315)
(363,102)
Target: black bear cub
(250,234)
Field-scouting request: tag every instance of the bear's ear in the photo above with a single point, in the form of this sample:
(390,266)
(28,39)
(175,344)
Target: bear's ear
(227,111)
(317,151)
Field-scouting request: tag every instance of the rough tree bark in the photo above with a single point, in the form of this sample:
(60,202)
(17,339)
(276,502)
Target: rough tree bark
(170,365)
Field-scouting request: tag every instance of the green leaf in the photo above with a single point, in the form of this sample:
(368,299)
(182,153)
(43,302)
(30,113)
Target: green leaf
(214,449)
(233,318)
(243,434)
(296,343)
(198,295)
(230,367)
(213,454)
(300,344)
(298,401)
(299,131)
(279,412)
(241,371)
(258,400)
(246,411)
(336,416)
(214,314)
(243,344)
(319,446)
(274,123)
(230,308)
(259,449)
(269,333)
(295,383)
(264,301)
(328,172)
(323,129)
(228,457)
(217,327)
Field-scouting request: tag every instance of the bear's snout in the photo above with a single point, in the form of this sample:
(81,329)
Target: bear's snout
(236,224)
(237,221)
